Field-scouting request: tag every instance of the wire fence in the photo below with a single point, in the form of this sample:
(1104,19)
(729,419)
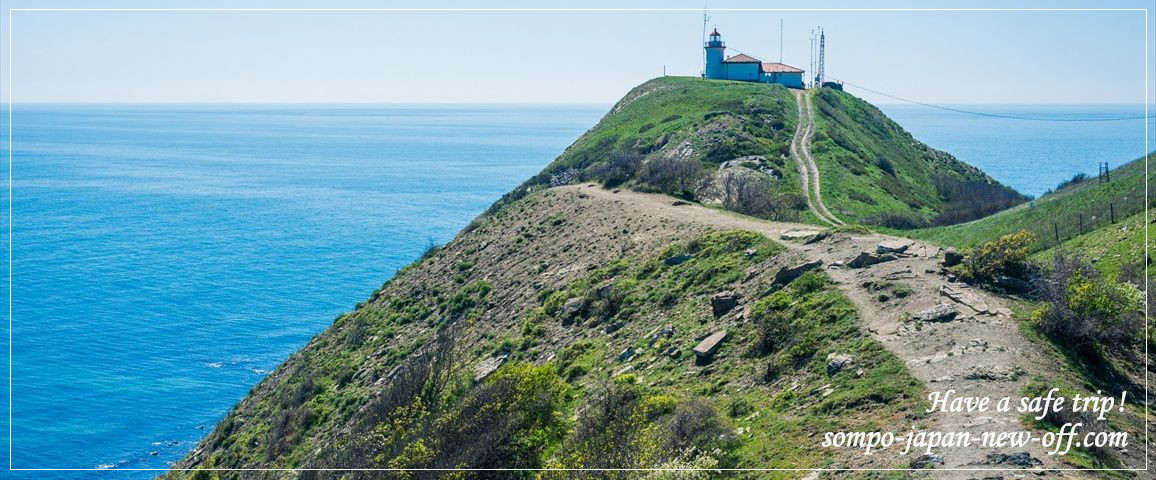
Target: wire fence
(1055,230)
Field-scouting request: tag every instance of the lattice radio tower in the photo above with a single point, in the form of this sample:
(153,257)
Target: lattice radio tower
(822,48)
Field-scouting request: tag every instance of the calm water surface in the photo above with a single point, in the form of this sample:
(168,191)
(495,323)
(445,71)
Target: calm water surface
(166,258)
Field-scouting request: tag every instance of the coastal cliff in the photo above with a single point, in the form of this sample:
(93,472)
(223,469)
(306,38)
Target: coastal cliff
(662,295)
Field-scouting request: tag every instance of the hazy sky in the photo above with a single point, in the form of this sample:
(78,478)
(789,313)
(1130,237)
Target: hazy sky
(954,57)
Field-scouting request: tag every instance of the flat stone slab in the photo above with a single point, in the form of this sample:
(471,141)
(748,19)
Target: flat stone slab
(944,312)
(866,259)
(709,345)
(799,235)
(964,297)
(488,366)
(893,246)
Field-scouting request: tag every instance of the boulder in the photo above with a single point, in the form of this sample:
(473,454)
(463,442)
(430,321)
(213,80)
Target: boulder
(573,307)
(723,302)
(1019,459)
(952,257)
(943,312)
(664,332)
(626,354)
(990,372)
(677,260)
(605,290)
(837,362)
(1012,284)
(487,366)
(866,259)
(926,460)
(786,274)
(817,238)
(706,349)
(893,246)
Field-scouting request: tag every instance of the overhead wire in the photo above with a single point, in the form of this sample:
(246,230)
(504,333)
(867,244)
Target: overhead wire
(993,115)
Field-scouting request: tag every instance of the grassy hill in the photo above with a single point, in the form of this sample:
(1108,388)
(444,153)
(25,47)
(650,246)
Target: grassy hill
(559,333)
(728,144)
(874,172)
(1090,202)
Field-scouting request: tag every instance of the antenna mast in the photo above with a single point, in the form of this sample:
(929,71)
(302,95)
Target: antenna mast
(812,52)
(822,47)
(705,18)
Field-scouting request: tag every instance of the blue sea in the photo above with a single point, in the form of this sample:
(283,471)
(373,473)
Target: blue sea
(165,258)
(1032,156)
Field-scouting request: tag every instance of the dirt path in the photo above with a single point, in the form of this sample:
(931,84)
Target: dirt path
(801,151)
(979,352)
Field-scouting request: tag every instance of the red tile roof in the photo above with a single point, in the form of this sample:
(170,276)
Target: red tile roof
(742,58)
(776,67)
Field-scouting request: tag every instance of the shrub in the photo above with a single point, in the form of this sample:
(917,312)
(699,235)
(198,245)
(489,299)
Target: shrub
(884,164)
(967,200)
(1083,308)
(1075,180)
(1004,256)
(753,194)
(671,175)
(897,220)
(619,169)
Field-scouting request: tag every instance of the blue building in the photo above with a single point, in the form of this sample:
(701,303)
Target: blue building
(745,68)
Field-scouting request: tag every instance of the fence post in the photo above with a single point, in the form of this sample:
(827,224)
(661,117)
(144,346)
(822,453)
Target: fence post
(1056,227)
(1112,210)
(1081,224)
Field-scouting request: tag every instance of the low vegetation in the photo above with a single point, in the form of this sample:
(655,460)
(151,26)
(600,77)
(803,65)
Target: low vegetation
(875,172)
(728,144)
(569,400)
(1077,207)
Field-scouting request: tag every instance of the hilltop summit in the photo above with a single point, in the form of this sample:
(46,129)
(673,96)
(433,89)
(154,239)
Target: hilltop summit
(730,144)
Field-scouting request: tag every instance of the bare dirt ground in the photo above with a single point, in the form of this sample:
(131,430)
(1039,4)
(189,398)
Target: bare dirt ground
(979,352)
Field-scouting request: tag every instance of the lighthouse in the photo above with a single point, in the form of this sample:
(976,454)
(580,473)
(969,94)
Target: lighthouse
(715,50)
(745,68)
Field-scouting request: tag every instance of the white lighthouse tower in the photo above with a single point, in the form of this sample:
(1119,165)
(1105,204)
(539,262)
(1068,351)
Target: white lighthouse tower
(715,49)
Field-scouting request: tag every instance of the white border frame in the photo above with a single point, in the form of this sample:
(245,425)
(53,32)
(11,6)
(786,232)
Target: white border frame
(1147,220)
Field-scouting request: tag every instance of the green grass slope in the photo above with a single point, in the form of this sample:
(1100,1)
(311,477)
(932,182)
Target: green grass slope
(674,135)
(1089,201)
(728,143)
(1113,248)
(594,365)
(874,172)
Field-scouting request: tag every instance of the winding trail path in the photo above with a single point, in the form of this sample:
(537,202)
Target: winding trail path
(801,151)
(978,352)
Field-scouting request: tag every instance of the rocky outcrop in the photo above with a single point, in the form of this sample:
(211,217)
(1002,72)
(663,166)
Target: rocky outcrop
(723,302)
(866,259)
(786,274)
